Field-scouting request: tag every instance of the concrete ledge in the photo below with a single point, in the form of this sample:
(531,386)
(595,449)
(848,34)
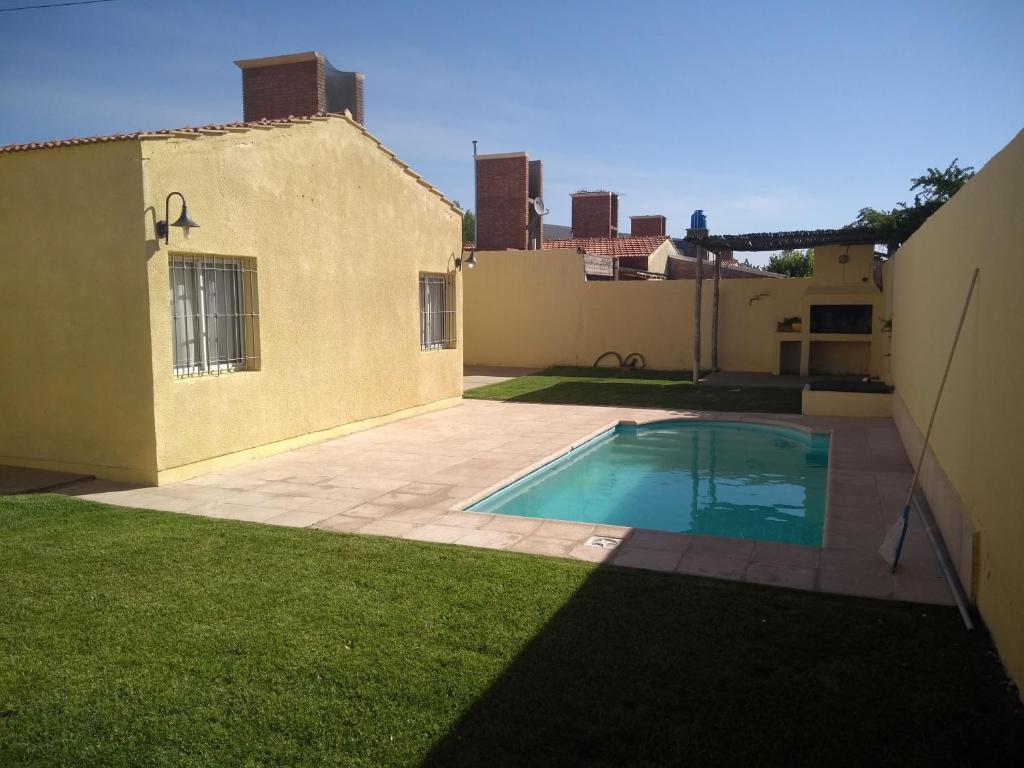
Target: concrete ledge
(828,403)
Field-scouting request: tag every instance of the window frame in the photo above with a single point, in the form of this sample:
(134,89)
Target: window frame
(238,329)
(444,321)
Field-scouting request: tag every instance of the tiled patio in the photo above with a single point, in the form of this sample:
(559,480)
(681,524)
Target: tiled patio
(409,479)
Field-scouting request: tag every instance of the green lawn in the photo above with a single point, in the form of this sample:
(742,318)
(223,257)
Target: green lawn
(132,638)
(671,390)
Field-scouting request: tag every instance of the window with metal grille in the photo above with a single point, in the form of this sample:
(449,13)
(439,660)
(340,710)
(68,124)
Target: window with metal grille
(437,312)
(214,315)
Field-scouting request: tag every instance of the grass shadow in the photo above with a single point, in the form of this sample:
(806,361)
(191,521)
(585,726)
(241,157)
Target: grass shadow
(649,669)
(564,371)
(663,394)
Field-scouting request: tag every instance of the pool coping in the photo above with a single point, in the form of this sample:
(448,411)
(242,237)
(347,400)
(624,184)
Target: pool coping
(463,506)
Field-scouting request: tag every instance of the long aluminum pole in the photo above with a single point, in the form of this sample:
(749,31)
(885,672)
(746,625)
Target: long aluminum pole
(714,313)
(476,200)
(931,420)
(698,285)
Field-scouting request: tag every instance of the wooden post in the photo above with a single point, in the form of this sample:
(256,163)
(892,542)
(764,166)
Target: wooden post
(714,313)
(698,285)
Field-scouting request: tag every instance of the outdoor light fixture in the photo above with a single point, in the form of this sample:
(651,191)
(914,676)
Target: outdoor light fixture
(184,220)
(469,261)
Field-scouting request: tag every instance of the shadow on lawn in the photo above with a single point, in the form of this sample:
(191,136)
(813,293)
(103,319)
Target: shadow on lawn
(681,395)
(617,373)
(650,669)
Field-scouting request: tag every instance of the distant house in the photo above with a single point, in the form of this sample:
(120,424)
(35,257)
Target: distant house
(631,257)
(316,292)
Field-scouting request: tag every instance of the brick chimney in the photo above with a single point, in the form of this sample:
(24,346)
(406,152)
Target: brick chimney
(647,225)
(503,189)
(595,214)
(298,85)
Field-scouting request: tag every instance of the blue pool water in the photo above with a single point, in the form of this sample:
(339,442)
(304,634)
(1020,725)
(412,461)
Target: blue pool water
(715,478)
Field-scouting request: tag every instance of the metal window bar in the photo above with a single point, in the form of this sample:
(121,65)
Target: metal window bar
(437,312)
(214,315)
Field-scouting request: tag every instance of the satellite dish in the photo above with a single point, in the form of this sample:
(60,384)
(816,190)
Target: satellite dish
(538,205)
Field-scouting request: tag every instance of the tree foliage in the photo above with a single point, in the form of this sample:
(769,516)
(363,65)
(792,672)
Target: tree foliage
(468,224)
(794,263)
(931,191)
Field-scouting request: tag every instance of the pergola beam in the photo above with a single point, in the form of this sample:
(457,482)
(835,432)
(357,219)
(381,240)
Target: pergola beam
(782,241)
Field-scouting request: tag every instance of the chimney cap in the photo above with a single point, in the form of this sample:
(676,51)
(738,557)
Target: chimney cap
(498,155)
(593,193)
(288,58)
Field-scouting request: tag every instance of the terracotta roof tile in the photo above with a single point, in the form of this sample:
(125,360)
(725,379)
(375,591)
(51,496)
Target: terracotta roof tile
(73,142)
(218,127)
(616,247)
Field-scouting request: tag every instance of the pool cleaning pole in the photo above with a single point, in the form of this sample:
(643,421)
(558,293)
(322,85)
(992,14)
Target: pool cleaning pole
(931,422)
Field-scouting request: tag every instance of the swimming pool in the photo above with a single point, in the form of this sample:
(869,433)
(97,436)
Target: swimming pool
(715,478)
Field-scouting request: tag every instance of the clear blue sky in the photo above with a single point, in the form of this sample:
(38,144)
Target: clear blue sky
(769,115)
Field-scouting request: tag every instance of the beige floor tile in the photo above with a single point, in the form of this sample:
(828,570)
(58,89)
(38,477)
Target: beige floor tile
(291,503)
(855,583)
(664,540)
(555,529)
(442,534)
(512,524)
(417,516)
(370,510)
(770,552)
(464,519)
(423,489)
(238,512)
(539,545)
(387,528)
(330,506)
(713,545)
(859,561)
(854,501)
(490,539)
(343,523)
(165,503)
(592,554)
(648,559)
(397,498)
(296,518)
(715,566)
(867,488)
(781,575)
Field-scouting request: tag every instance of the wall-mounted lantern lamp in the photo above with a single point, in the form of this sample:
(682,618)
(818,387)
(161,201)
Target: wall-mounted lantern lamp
(184,221)
(469,261)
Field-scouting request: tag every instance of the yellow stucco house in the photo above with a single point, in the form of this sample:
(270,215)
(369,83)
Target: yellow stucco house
(319,293)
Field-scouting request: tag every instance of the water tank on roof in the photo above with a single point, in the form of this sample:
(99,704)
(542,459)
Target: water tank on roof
(698,220)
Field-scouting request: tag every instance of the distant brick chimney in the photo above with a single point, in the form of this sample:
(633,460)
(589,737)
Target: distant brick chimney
(504,215)
(536,191)
(595,214)
(647,225)
(298,85)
